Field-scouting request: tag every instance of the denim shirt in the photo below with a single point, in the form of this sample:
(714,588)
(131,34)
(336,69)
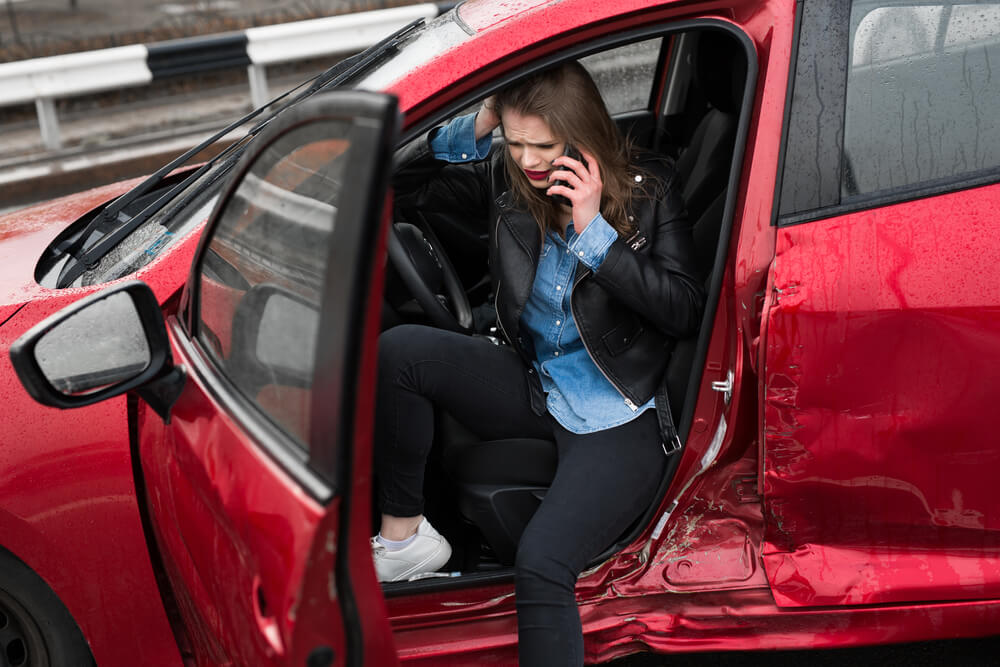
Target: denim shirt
(578,395)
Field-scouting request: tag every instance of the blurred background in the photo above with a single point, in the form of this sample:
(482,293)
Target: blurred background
(35,28)
(116,134)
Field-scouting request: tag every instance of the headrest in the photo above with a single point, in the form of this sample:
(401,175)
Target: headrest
(721,70)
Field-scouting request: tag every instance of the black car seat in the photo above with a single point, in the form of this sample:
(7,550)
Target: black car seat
(500,483)
(720,74)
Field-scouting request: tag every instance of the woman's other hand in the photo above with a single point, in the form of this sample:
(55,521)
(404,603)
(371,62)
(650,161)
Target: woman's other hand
(487,118)
(583,190)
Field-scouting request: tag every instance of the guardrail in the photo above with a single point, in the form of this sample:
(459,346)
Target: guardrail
(44,80)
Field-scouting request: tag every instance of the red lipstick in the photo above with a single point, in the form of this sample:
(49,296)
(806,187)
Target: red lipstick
(536,175)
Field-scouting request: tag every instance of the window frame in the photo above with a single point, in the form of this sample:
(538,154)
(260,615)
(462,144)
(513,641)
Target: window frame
(302,135)
(430,117)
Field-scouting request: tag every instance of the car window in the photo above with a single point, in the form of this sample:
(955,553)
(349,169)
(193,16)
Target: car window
(922,95)
(625,75)
(262,274)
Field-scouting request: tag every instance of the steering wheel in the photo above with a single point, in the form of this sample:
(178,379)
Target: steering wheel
(422,264)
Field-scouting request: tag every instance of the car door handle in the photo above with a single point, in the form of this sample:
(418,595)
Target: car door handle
(264,617)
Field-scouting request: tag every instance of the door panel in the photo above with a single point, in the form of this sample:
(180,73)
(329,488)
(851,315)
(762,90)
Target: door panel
(235,540)
(881,381)
(250,484)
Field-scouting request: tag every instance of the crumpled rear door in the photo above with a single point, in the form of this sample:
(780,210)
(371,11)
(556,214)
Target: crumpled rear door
(880,418)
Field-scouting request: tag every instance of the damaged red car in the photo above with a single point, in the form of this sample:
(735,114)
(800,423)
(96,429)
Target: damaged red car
(210,499)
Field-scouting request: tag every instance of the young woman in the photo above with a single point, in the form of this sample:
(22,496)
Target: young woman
(591,291)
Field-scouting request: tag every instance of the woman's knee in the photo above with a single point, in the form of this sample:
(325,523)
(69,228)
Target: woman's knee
(392,342)
(538,565)
(401,346)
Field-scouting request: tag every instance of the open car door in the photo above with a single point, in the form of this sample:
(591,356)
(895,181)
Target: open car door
(252,445)
(257,480)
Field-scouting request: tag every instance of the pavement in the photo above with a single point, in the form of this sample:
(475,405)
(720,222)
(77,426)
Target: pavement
(981,652)
(107,145)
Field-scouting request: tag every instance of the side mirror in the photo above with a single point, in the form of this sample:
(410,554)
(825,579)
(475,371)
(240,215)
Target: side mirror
(101,346)
(274,338)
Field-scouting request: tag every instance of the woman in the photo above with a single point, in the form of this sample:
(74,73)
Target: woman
(591,291)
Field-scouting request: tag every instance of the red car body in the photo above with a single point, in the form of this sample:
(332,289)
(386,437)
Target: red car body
(835,486)
(69,502)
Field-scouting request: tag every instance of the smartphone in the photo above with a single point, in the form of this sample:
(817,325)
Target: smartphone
(572,152)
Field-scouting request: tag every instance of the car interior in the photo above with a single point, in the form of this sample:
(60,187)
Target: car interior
(691,107)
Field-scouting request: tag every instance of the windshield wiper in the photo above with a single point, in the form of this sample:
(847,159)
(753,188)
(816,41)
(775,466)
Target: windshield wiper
(91,258)
(111,211)
(363,60)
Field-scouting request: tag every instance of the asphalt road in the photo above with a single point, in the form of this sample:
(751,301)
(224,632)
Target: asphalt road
(956,653)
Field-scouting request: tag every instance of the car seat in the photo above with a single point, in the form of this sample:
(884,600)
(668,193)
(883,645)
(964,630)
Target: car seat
(720,74)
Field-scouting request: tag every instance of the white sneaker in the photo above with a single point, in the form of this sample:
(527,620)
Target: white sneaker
(428,552)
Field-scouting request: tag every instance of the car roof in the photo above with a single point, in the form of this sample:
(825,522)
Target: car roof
(456,48)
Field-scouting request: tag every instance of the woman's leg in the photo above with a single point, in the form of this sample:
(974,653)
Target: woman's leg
(604,481)
(482,385)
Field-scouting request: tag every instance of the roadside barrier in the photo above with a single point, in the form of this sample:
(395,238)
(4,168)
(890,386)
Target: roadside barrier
(44,80)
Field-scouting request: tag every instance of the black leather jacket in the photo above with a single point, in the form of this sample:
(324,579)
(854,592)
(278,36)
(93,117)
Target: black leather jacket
(644,296)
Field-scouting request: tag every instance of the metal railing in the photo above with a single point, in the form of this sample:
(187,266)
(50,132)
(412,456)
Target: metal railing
(44,80)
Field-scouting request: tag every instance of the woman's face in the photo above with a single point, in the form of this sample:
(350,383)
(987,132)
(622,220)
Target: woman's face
(532,145)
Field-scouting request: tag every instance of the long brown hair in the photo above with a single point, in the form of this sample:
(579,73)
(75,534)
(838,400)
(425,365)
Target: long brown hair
(567,99)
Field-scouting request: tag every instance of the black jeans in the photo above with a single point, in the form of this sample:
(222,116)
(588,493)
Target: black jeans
(603,481)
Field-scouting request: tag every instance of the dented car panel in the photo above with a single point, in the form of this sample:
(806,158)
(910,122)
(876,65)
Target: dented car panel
(881,379)
(239,548)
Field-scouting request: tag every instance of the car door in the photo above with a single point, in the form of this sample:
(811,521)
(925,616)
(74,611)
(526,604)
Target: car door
(883,312)
(257,482)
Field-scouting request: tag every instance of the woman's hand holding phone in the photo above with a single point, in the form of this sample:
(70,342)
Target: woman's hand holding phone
(578,180)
